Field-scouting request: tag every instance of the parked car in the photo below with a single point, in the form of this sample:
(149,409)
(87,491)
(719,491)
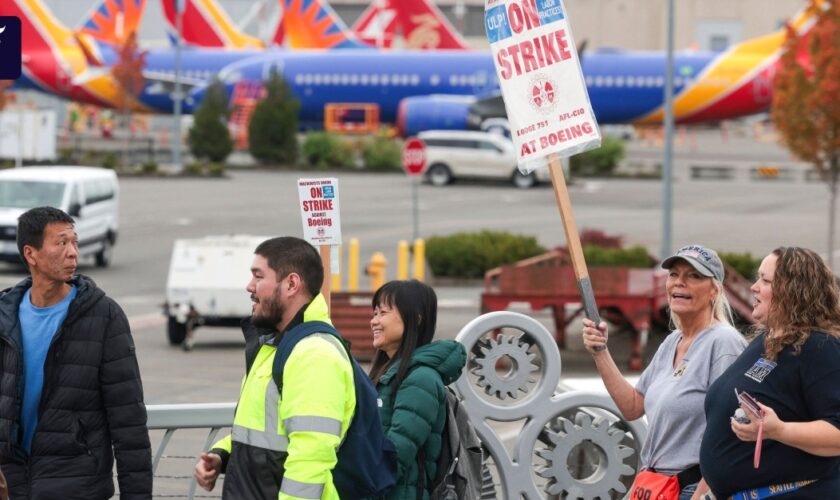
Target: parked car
(453,154)
(89,194)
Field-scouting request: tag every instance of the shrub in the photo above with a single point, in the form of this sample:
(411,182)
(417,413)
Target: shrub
(744,263)
(272,131)
(614,257)
(325,150)
(66,156)
(470,255)
(216,169)
(110,160)
(598,162)
(194,168)
(600,238)
(381,154)
(150,168)
(209,136)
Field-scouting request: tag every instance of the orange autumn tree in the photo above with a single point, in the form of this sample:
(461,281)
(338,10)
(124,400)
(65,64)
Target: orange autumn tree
(806,99)
(5,96)
(128,73)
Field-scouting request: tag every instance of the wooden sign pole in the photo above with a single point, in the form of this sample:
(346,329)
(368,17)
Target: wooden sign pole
(325,286)
(564,203)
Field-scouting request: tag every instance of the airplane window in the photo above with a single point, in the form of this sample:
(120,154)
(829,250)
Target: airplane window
(364,79)
(453,80)
(374,79)
(608,81)
(599,81)
(415,80)
(384,79)
(406,79)
(345,79)
(660,82)
(434,80)
(588,81)
(619,81)
(299,79)
(649,81)
(316,79)
(354,79)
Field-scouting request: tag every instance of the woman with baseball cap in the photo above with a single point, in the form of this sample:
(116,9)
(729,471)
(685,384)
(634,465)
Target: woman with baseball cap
(673,387)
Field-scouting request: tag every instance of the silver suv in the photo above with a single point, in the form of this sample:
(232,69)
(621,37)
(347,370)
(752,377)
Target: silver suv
(453,154)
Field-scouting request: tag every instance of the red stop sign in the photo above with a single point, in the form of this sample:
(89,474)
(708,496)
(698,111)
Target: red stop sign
(414,156)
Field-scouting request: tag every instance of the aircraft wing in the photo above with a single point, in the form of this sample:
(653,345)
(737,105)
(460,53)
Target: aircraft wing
(164,82)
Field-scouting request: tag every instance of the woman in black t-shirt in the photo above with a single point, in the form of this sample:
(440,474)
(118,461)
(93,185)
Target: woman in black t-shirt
(791,367)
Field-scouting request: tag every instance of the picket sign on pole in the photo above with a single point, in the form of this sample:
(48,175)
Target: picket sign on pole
(546,101)
(321,218)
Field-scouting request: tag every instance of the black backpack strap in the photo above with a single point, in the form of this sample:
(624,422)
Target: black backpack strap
(290,340)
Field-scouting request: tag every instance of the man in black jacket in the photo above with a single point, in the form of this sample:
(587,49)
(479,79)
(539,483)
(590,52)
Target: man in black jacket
(71,399)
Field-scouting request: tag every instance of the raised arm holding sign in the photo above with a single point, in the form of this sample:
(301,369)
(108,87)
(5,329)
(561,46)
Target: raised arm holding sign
(546,101)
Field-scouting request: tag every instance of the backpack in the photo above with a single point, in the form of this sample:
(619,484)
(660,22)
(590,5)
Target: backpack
(367,460)
(460,464)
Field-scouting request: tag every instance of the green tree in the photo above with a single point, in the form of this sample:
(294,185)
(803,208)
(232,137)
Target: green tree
(209,137)
(806,99)
(272,132)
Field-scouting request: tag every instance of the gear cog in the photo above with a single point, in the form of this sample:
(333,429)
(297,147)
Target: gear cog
(604,439)
(522,366)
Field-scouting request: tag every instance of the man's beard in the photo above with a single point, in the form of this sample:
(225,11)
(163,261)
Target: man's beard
(271,312)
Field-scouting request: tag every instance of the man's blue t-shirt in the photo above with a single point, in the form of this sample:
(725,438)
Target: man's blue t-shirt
(38,325)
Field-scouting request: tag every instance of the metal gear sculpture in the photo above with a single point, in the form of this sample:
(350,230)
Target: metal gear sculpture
(547,436)
(605,439)
(519,377)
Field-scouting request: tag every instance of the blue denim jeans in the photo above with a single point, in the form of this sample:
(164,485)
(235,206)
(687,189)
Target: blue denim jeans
(687,491)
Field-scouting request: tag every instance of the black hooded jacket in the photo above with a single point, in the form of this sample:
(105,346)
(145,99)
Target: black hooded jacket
(91,407)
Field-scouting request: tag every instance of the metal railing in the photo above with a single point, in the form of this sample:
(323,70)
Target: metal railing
(173,417)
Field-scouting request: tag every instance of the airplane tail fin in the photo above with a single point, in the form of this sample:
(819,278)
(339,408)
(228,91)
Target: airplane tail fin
(113,21)
(312,24)
(205,24)
(53,60)
(425,26)
(42,37)
(378,24)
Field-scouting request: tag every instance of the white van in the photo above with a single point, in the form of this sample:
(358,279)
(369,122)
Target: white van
(89,194)
(452,154)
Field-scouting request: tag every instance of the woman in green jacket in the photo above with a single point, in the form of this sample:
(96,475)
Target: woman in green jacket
(410,372)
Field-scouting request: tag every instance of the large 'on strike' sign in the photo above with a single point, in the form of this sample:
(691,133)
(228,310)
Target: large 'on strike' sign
(414,156)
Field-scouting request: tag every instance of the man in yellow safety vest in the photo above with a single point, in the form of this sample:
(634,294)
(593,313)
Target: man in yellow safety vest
(284,446)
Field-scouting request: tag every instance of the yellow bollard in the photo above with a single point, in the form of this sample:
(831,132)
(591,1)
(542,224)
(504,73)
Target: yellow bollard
(353,266)
(402,260)
(336,277)
(376,270)
(419,259)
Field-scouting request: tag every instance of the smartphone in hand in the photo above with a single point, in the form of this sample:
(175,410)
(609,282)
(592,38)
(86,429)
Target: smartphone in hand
(750,403)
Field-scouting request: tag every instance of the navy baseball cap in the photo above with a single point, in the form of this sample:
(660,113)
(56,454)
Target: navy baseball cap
(704,260)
